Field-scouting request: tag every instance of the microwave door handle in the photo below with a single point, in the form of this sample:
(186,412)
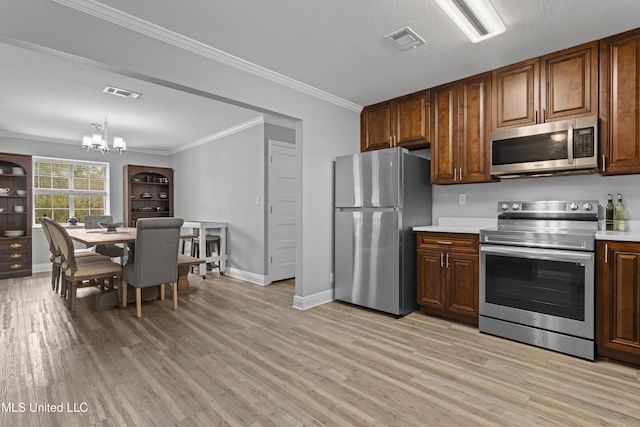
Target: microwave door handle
(570,144)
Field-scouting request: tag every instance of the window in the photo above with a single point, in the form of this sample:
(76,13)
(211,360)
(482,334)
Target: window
(69,188)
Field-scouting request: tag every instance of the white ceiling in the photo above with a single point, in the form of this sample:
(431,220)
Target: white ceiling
(331,47)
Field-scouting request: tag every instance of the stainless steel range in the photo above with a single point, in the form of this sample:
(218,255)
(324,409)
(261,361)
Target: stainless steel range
(537,273)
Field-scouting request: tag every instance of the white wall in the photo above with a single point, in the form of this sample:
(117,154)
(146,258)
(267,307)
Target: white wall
(219,181)
(325,130)
(40,248)
(482,199)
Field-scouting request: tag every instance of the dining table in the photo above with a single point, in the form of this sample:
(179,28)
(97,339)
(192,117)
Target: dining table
(125,236)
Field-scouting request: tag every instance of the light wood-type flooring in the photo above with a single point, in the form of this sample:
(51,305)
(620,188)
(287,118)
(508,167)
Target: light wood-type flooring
(237,354)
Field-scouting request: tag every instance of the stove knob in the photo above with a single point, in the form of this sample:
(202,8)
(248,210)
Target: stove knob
(587,206)
(573,206)
(504,206)
(515,206)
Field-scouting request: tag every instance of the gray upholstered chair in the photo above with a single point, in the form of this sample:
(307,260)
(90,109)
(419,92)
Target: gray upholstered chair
(91,221)
(156,259)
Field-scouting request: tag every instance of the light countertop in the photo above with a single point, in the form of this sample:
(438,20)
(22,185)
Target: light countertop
(459,225)
(474,225)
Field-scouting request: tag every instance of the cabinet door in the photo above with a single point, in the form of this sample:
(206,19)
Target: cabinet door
(462,281)
(443,140)
(412,120)
(376,127)
(515,95)
(474,144)
(619,99)
(618,293)
(570,83)
(429,276)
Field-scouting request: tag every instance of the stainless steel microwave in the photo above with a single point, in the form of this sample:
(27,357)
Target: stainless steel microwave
(562,147)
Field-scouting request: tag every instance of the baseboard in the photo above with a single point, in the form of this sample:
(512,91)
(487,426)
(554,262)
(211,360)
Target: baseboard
(248,277)
(305,303)
(41,268)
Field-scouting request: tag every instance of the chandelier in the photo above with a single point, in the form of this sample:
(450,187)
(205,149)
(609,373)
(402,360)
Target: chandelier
(99,141)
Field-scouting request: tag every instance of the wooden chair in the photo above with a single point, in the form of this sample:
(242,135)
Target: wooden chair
(81,273)
(156,259)
(56,258)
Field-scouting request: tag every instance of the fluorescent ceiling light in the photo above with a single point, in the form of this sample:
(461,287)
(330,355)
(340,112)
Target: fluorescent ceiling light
(477,19)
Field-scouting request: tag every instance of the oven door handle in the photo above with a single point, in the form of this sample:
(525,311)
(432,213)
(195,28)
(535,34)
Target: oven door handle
(545,254)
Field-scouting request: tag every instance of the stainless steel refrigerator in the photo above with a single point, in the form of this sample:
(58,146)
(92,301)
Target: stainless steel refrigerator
(379,196)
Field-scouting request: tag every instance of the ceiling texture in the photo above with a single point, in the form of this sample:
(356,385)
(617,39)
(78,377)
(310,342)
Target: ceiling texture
(333,49)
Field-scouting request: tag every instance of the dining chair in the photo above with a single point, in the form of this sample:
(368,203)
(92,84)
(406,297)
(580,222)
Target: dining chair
(79,273)
(56,258)
(156,259)
(92,221)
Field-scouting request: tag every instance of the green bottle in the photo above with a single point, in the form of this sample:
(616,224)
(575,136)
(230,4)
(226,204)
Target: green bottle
(618,215)
(609,213)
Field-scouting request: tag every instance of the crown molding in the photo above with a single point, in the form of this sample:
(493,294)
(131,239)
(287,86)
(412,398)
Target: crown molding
(115,16)
(242,126)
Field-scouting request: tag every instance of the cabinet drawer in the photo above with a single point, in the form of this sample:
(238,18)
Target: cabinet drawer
(7,256)
(14,245)
(448,241)
(11,266)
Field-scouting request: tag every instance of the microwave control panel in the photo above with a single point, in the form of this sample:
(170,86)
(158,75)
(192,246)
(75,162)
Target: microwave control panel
(583,143)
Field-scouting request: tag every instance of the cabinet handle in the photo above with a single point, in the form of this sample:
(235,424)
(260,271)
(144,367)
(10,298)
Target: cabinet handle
(604,165)
(16,266)
(455,174)
(460,174)
(15,245)
(544,115)
(444,243)
(535,118)
(15,256)
(447,260)
(441,260)
(606,253)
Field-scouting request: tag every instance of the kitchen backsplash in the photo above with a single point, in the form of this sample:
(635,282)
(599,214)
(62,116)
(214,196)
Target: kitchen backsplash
(482,199)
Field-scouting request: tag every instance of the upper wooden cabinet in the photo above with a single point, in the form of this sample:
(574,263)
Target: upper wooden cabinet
(557,86)
(460,120)
(619,99)
(402,122)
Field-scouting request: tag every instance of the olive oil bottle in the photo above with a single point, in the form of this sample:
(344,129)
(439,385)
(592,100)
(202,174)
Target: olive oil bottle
(609,213)
(618,215)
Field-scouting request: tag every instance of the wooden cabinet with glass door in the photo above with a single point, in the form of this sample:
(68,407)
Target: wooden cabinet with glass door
(148,193)
(15,215)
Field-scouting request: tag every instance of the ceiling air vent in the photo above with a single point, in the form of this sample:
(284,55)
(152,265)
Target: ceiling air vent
(121,92)
(405,38)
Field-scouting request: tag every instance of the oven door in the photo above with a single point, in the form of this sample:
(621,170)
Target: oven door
(542,288)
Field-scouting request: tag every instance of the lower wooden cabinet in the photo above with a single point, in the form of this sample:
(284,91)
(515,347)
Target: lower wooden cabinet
(618,301)
(448,275)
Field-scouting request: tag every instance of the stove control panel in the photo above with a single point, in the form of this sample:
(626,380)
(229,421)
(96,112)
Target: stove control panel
(549,208)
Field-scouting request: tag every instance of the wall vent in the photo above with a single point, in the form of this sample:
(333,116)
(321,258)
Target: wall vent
(405,38)
(121,92)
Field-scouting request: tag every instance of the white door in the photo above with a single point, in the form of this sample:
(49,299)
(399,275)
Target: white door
(282,211)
